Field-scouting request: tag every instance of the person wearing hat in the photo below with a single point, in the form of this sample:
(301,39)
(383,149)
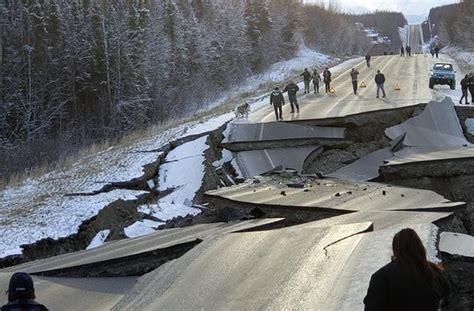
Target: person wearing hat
(21,294)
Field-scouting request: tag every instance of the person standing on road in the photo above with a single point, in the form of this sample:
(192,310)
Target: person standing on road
(409,281)
(307,79)
(277,101)
(292,88)
(380,80)
(436,50)
(354,74)
(464,87)
(432,52)
(316,79)
(21,294)
(367,59)
(402,51)
(408,51)
(327,79)
(471,86)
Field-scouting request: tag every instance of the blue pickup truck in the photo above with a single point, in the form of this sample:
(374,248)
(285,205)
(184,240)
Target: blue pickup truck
(443,73)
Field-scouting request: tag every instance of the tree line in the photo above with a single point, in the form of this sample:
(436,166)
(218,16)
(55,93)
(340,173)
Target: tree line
(453,24)
(74,72)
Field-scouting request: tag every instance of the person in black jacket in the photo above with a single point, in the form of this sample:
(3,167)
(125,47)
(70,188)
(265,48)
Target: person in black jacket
(316,79)
(277,101)
(436,50)
(408,49)
(380,80)
(327,79)
(470,85)
(402,51)
(367,60)
(21,294)
(307,79)
(292,88)
(410,282)
(464,87)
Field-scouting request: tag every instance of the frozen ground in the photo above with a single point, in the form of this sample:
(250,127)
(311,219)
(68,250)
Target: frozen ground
(99,239)
(141,228)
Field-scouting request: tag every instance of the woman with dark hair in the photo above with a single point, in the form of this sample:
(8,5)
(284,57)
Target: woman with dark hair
(409,282)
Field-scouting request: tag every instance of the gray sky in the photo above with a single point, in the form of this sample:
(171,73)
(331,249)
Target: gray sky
(408,7)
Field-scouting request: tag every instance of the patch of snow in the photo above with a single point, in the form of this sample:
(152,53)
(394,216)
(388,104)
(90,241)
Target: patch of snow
(238,170)
(51,217)
(99,239)
(209,125)
(403,32)
(183,172)
(227,156)
(141,228)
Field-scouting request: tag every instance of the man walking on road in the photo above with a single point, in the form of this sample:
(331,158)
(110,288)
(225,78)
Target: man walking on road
(292,88)
(316,79)
(408,51)
(471,86)
(327,79)
(307,79)
(436,50)
(277,100)
(464,87)
(402,51)
(367,59)
(380,80)
(354,74)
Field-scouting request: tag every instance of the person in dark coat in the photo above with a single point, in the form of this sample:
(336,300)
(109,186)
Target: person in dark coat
(292,89)
(367,60)
(316,79)
(21,294)
(307,79)
(408,49)
(277,101)
(380,80)
(354,76)
(470,85)
(464,88)
(436,50)
(410,282)
(432,52)
(402,51)
(327,79)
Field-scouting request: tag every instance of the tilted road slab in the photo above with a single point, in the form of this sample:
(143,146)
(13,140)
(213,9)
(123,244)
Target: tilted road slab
(297,268)
(128,248)
(256,162)
(328,194)
(76,294)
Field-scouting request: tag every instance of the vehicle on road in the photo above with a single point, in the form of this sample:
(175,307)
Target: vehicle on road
(444,74)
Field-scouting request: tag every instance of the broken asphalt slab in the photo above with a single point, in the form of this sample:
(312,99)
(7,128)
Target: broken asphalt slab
(288,268)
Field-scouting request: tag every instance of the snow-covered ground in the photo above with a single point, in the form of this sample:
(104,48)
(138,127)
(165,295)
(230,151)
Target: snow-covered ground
(99,239)
(403,32)
(38,208)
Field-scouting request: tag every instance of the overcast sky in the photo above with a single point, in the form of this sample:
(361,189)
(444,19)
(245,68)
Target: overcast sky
(408,7)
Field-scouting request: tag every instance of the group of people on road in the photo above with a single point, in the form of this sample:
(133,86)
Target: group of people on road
(467,84)
(277,100)
(407,50)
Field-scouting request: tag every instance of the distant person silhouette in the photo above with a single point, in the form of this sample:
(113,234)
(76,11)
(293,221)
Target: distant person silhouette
(327,79)
(277,101)
(354,77)
(367,60)
(21,294)
(307,79)
(436,50)
(402,51)
(464,88)
(316,79)
(409,282)
(408,49)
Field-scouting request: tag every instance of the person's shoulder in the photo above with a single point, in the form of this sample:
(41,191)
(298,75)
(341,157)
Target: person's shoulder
(389,268)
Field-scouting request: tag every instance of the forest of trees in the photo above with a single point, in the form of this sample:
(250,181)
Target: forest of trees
(454,24)
(385,22)
(74,72)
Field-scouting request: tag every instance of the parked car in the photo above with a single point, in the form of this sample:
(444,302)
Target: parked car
(443,73)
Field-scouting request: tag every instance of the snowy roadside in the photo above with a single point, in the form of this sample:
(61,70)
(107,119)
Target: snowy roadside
(39,207)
